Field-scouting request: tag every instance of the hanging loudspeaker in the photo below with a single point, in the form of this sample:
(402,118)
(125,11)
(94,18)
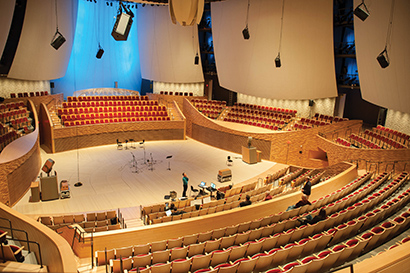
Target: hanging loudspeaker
(361,12)
(278,62)
(100,53)
(245,33)
(383,59)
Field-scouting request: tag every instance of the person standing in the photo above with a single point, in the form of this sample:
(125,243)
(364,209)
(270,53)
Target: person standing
(185,183)
(306,189)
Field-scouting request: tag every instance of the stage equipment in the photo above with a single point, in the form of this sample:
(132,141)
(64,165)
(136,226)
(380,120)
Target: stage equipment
(245,31)
(361,11)
(311,103)
(100,52)
(383,59)
(122,24)
(278,62)
(134,164)
(224,175)
(132,143)
(126,144)
(142,143)
(249,141)
(58,38)
(119,145)
(229,161)
(48,166)
(169,162)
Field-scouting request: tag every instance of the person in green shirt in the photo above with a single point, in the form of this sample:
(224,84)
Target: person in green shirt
(185,183)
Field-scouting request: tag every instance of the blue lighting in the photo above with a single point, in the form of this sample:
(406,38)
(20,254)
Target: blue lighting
(119,63)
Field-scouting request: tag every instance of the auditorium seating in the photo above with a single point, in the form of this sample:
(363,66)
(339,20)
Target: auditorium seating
(15,121)
(386,140)
(327,118)
(343,142)
(398,136)
(88,110)
(210,108)
(361,142)
(29,94)
(89,222)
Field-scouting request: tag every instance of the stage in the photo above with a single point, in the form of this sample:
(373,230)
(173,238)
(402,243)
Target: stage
(110,181)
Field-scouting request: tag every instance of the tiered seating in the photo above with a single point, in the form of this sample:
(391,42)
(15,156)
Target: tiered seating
(290,176)
(327,118)
(313,122)
(88,110)
(363,142)
(343,142)
(210,108)
(14,121)
(171,93)
(89,222)
(275,176)
(298,126)
(393,134)
(29,94)
(385,141)
(264,243)
(246,107)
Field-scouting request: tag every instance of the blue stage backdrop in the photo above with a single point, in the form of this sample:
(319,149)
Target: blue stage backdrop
(120,61)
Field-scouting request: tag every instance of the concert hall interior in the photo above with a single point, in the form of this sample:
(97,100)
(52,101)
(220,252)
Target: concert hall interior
(173,136)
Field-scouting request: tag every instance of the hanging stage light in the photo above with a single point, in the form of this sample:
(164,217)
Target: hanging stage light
(361,11)
(122,24)
(58,38)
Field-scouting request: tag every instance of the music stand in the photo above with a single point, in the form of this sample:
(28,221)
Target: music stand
(169,162)
(132,143)
(126,144)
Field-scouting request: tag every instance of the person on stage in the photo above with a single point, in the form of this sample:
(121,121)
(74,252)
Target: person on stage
(185,183)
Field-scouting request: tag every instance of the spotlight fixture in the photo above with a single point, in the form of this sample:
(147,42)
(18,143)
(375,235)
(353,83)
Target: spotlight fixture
(277,61)
(383,59)
(245,31)
(361,11)
(58,38)
(100,52)
(196,60)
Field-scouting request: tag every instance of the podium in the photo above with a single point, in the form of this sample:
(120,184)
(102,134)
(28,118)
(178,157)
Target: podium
(249,155)
(49,188)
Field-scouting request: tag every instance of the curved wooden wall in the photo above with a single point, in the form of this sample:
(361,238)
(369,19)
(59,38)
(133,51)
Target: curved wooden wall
(56,252)
(310,148)
(20,163)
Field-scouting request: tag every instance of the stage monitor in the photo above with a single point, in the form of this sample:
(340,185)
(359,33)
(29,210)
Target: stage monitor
(122,27)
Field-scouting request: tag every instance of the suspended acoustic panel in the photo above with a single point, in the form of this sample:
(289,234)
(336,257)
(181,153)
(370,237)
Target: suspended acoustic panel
(186,12)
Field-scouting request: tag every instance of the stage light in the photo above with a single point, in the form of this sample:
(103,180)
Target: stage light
(361,11)
(383,59)
(122,24)
(245,33)
(58,38)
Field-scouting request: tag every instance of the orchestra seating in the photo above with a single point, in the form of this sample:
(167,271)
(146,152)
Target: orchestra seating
(357,222)
(87,110)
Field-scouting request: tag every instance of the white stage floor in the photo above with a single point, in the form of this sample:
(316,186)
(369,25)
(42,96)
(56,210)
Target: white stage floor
(109,182)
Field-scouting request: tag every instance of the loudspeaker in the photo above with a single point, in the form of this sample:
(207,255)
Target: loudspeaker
(361,12)
(278,62)
(311,102)
(51,84)
(48,166)
(196,61)
(383,59)
(245,33)
(100,53)
(58,40)
(122,27)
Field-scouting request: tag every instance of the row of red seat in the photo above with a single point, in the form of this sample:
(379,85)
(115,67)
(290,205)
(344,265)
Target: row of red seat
(235,111)
(343,142)
(7,138)
(11,106)
(313,122)
(267,108)
(386,140)
(257,118)
(208,102)
(112,115)
(29,94)
(13,114)
(113,120)
(105,98)
(392,133)
(364,141)
(89,110)
(297,126)
(328,118)
(171,93)
(110,103)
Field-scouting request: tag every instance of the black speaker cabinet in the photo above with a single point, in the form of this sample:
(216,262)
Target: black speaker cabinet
(361,12)
(278,62)
(383,59)
(311,102)
(196,61)
(245,33)
(100,53)
(58,40)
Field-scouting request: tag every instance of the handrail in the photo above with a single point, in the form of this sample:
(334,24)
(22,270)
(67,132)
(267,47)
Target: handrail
(343,267)
(15,229)
(11,228)
(28,244)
